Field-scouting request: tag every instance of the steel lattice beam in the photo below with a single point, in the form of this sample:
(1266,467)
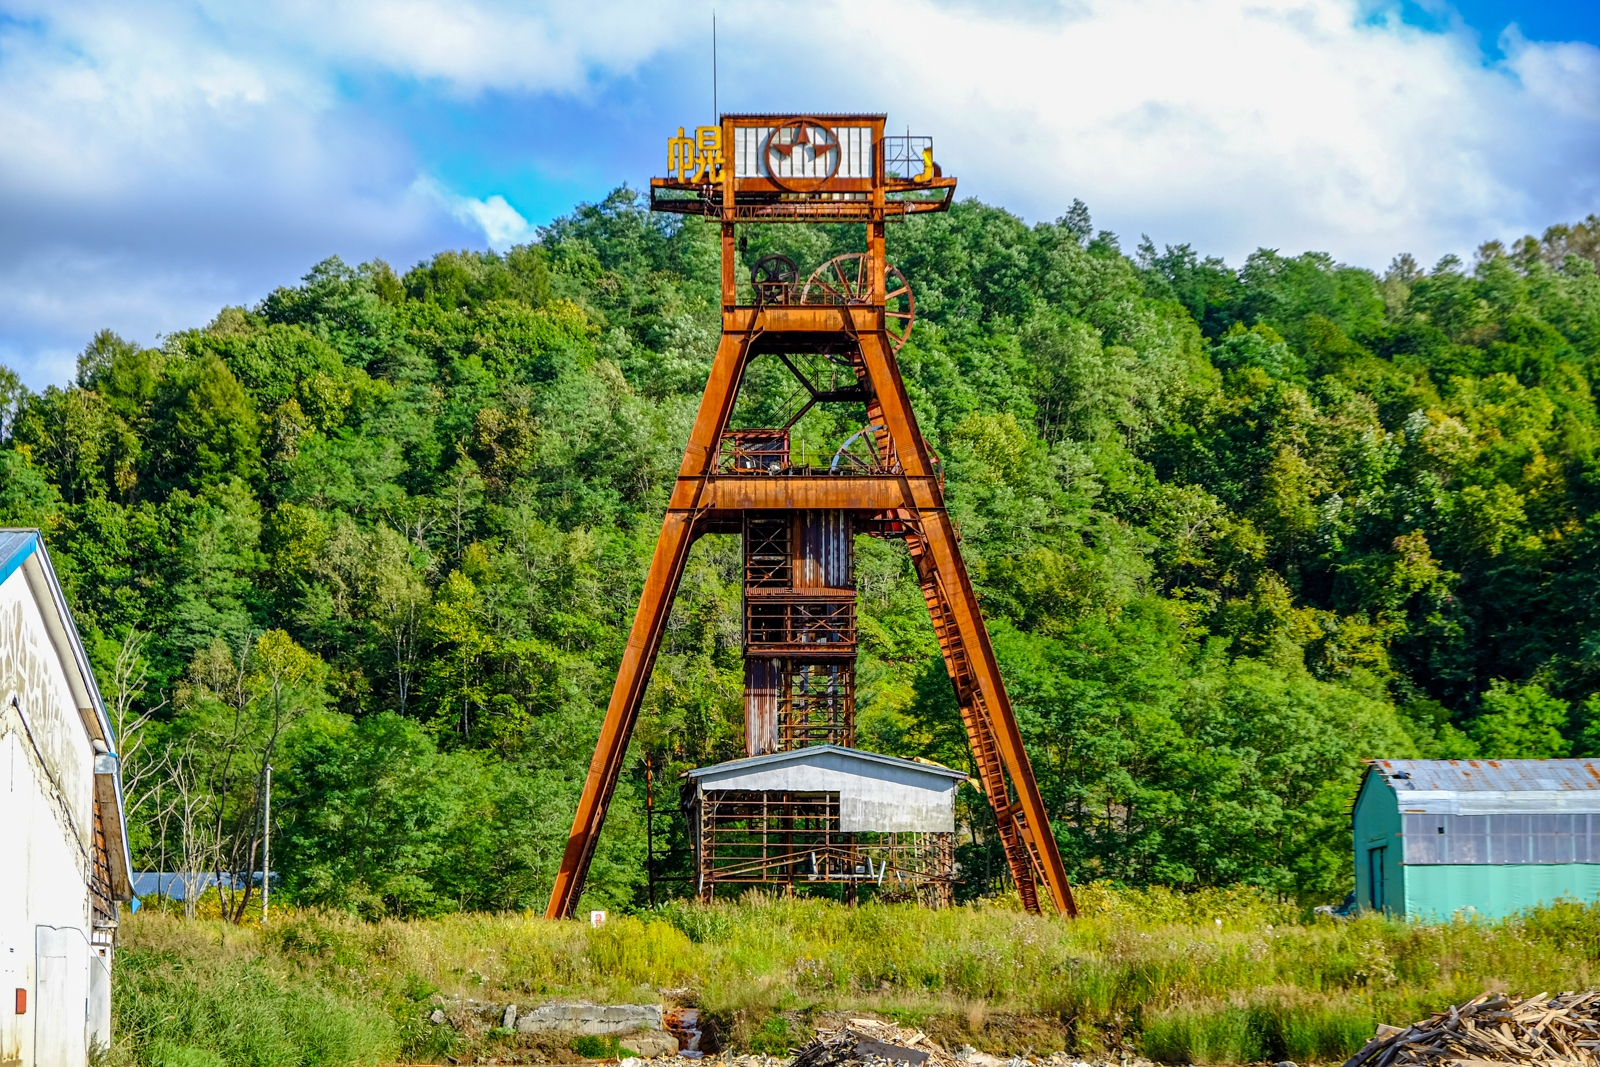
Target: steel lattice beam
(907,494)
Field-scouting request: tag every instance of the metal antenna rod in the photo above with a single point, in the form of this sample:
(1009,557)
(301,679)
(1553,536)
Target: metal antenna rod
(714,64)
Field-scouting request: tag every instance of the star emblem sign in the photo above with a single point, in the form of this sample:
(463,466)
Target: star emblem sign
(797,134)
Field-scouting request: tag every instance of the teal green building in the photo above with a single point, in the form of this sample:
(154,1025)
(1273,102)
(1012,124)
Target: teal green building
(1484,838)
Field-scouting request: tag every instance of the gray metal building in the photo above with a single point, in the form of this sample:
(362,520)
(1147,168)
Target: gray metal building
(825,814)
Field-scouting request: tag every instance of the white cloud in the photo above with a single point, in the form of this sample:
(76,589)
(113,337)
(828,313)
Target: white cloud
(483,44)
(1564,75)
(160,158)
(1290,123)
(152,169)
(500,223)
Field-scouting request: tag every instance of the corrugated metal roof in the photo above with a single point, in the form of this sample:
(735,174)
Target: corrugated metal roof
(812,752)
(171,884)
(1498,774)
(15,546)
(1481,787)
(876,794)
(799,115)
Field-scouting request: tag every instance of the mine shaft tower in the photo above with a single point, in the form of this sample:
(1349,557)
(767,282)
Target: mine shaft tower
(797,518)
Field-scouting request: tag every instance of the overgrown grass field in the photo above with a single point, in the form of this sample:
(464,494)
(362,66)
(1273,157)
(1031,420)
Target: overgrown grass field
(1210,977)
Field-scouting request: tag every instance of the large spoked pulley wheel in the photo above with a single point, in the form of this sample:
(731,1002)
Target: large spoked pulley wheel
(843,280)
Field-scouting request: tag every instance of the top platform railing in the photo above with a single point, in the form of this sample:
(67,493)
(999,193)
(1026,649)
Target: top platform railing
(800,168)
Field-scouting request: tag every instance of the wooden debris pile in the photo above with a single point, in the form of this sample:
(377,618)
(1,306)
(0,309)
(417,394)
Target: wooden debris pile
(1495,1028)
(871,1041)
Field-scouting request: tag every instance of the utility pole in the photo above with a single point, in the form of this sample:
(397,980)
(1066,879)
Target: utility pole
(266,848)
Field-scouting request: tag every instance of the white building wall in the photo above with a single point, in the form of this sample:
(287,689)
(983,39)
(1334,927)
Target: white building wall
(46,843)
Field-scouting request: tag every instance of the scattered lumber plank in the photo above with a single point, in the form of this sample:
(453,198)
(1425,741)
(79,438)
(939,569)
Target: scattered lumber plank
(872,1041)
(1494,1029)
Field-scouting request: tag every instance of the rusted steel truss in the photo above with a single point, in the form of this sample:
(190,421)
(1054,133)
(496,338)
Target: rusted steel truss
(740,481)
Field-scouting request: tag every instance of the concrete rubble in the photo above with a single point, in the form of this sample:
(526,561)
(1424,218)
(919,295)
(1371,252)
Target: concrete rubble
(977,1059)
(647,1033)
(877,1043)
(648,1044)
(968,1056)
(597,1020)
(868,1041)
(575,1017)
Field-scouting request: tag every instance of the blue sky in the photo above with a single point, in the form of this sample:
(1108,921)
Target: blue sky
(1539,20)
(162,158)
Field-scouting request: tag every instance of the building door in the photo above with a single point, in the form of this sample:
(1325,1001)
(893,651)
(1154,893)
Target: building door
(62,995)
(1375,897)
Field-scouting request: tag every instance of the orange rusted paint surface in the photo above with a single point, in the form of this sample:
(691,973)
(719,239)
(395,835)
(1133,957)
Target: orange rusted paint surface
(738,493)
(1027,815)
(644,638)
(838,174)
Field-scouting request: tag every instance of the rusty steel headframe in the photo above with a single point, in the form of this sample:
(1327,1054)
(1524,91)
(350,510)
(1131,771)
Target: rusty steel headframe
(820,168)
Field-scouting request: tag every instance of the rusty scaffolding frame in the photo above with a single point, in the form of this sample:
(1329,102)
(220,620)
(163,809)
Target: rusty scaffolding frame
(792,840)
(102,901)
(729,476)
(816,704)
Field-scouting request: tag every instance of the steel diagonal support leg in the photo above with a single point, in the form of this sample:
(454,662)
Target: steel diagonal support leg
(1026,813)
(969,656)
(976,719)
(638,658)
(644,638)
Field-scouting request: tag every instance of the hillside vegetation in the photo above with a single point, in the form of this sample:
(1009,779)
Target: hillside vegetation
(1234,530)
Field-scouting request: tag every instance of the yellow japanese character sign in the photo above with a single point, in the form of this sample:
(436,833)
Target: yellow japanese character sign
(697,158)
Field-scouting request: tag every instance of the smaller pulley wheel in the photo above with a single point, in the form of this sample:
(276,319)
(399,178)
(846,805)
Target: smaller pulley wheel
(773,269)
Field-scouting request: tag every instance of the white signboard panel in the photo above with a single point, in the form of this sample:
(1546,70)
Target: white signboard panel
(750,157)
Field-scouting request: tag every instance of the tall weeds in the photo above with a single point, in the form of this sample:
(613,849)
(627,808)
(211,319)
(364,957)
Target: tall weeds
(1209,977)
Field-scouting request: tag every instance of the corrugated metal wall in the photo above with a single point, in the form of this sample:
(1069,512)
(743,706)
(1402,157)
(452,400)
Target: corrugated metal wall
(763,682)
(802,550)
(873,797)
(1437,892)
(1488,866)
(824,557)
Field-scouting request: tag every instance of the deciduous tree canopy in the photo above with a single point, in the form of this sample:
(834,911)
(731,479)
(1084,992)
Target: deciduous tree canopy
(1234,530)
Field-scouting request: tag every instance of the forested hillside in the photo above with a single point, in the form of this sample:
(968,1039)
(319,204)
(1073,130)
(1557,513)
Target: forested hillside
(1234,530)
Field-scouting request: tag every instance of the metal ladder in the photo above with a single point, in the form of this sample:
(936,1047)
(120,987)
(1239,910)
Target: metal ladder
(1014,838)
(1028,869)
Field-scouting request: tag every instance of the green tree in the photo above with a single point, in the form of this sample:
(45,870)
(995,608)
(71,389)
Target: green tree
(1521,722)
(1235,528)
